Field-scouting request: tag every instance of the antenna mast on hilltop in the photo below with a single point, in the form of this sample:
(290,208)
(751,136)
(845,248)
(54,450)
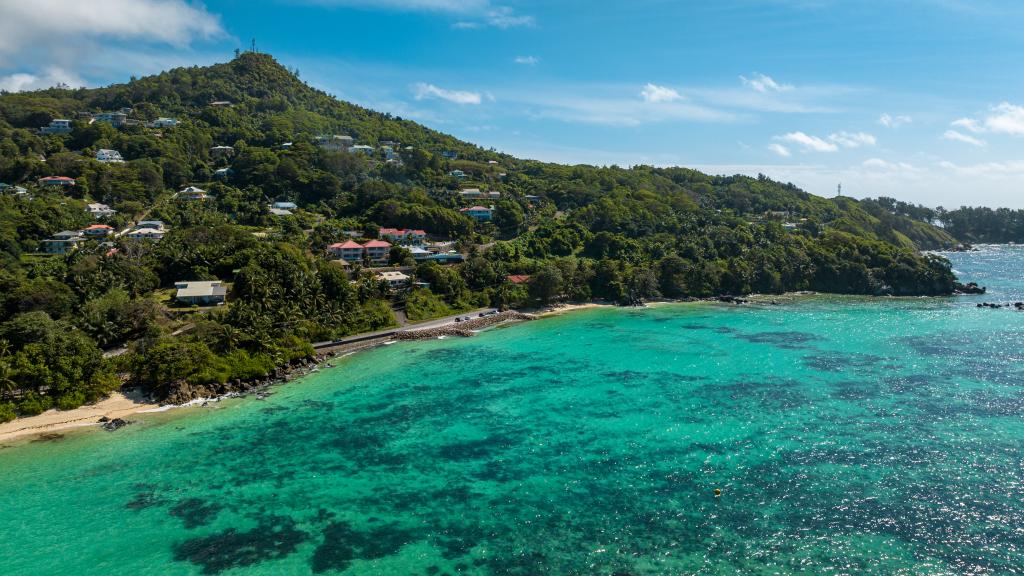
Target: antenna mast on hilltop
(253,49)
(839,191)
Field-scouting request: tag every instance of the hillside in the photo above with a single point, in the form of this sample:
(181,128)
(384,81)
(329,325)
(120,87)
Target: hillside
(246,134)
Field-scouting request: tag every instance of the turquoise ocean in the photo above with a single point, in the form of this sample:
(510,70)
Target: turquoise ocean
(847,436)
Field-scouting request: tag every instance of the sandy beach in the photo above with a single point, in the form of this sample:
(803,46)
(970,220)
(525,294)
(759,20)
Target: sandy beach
(116,406)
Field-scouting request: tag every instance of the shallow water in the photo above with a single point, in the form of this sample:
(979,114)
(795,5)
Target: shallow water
(847,435)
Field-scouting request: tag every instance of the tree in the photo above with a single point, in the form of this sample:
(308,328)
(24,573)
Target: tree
(545,284)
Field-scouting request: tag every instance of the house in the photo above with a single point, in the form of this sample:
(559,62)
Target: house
(403,236)
(518,278)
(394,279)
(284,205)
(12,189)
(493,195)
(348,251)
(62,242)
(221,104)
(204,292)
(531,198)
(57,126)
(99,211)
(151,224)
(478,213)
(222,151)
(334,143)
(115,119)
(450,154)
(164,123)
(419,254)
(105,155)
(361,149)
(97,230)
(222,173)
(152,234)
(378,251)
(280,212)
(389,154)
(352,233)
(492,161)
(193,193)
(471,194)
(459,174)
(61,181)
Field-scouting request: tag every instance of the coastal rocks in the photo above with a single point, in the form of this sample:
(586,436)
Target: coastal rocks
(731,300)
(464,328)
(969,288)
(115,424)
(183,392)
(1019,306)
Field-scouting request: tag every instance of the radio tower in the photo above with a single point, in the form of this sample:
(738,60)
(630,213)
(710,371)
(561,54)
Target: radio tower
(839,190)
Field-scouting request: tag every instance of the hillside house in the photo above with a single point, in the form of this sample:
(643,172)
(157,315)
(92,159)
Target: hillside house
(279,212)
(57,126)
(97,230)
(151,234)
(193,193)
(478,213)
(115,119)
(518,278)
(403,236)
(348,251)
(221,104)
(222,173)
(152,224)
(471,194)
(378,251)
(100,211)
(394,279)
(334,142)
(164,123)
(361,149)
(57,181)
(448,258)
(419,254)
(222,152)
(201,293)
(62,242)
(284,205)
(12,189)
(112,156)
(457,174)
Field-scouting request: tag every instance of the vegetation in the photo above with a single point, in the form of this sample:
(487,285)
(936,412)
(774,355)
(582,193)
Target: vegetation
(579,232)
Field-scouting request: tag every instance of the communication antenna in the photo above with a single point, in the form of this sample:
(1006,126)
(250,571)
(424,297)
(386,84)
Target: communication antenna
(253,50)
(839,191)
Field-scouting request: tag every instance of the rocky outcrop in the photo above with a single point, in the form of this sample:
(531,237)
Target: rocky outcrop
(1019,306)
(464,328)
(115,424)
(969,288)
(183,392)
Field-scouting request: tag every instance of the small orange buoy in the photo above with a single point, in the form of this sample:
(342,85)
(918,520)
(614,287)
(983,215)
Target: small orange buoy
(718,491)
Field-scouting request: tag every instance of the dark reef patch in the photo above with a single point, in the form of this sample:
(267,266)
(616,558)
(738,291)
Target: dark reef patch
(145,500)
(476,449)
(274,538)
(342,544)
(195,512)
(838,361)
(787,340)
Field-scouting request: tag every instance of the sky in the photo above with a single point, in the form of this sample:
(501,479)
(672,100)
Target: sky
(921,100)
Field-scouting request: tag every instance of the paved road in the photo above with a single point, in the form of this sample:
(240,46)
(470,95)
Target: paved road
(391,331)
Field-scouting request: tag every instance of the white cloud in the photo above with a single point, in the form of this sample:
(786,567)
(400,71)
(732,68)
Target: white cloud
(429,91)
(903,168)
(961,137)
(527,60)
(855,140)
(763,83)
(890,121)
(991,170)
(53,76)
(808,142)
(653,93)
(1003,118)
(780,150)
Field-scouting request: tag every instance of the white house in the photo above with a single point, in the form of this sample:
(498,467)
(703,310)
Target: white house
(193,193)
(284,205)
(222,173)
(280,212)
(151,234)
(151,224)
(99,211)
(115,119)
(204,292)
(105,155)
(57,126)
(62,242)
(471,193)
(164,123)
(394,279)
(221,151)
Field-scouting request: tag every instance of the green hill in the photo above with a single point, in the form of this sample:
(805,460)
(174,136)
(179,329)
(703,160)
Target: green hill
(579,232)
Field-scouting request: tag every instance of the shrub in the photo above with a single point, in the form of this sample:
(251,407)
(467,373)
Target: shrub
(7,412)
(33,404)
(71,400)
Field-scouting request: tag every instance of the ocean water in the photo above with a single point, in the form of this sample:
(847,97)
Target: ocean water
(846,435)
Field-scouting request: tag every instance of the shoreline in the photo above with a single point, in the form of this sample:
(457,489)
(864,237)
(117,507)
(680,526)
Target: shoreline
(120,405)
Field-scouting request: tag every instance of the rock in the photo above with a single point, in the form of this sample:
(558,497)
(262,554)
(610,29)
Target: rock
(969,288)
(104,419)
(115,424)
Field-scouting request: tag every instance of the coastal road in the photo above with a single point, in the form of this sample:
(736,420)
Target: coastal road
(437,323)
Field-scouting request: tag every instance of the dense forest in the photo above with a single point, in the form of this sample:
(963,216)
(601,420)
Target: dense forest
(975,225)
(76,325)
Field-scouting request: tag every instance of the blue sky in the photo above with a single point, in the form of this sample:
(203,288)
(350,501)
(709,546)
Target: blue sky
(917,99)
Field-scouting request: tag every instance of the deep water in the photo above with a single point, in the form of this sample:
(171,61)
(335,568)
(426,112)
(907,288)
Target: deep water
(847,436)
